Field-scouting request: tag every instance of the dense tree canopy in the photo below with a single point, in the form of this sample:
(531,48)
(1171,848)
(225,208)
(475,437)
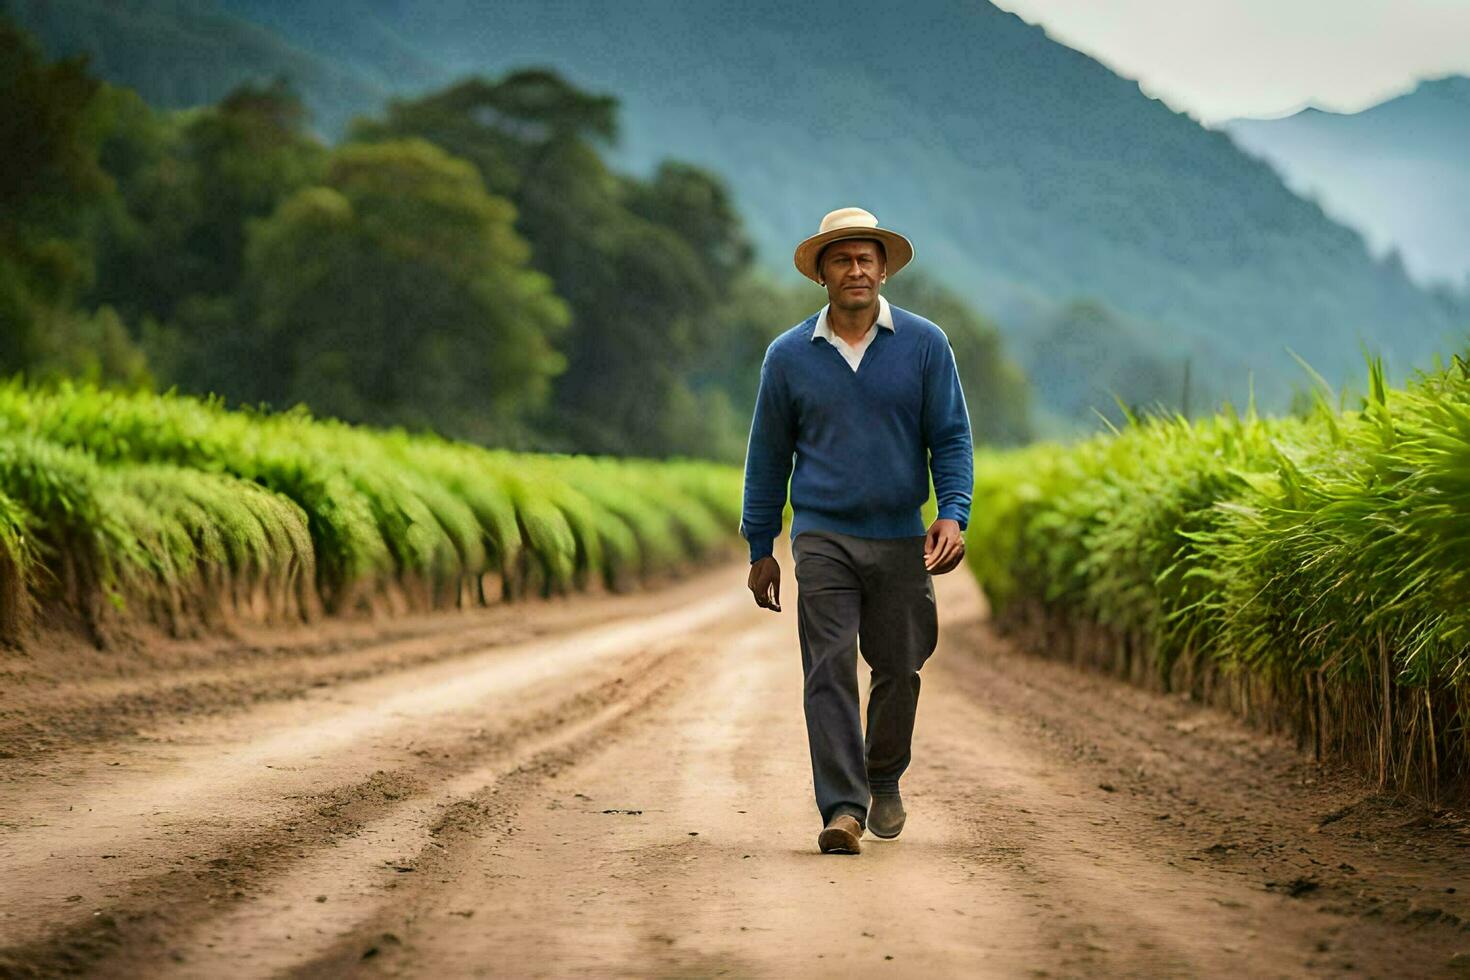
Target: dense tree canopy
(190,183)
(646,265)
(996,390)
(52,189)
(398,292)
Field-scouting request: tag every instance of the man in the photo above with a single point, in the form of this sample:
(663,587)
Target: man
(867,398)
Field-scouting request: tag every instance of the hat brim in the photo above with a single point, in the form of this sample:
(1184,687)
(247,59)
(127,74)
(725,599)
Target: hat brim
(900,250)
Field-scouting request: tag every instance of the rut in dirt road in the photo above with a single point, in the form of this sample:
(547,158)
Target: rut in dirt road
(634,798)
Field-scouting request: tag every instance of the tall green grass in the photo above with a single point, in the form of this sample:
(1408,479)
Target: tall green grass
(185,511)
(1310,572)
(17,562)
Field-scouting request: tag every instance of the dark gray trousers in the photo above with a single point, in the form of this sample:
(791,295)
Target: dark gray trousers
(873,593)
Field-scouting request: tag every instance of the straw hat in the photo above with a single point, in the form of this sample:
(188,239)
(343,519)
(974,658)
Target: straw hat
(852,223)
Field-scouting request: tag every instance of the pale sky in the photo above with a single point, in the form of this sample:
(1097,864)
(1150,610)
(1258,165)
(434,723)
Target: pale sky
(1216,59)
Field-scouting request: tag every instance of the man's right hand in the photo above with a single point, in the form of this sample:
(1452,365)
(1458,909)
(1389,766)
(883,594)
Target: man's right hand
(765,583)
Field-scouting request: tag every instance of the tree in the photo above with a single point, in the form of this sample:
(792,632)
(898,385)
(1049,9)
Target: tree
(1086,357)
(191,182)
(996,390)
(696,205)
(397,292)
(52,187)
(504,128)
(644,266)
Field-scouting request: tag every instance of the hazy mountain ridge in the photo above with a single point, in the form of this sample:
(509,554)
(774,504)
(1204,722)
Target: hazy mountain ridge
(180,53)
(1399,170)
(1028,174)
(366,41)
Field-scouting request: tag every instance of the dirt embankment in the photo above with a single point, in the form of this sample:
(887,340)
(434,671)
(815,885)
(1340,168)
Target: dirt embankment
(620,785)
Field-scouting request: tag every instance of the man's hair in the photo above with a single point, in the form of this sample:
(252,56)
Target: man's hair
(876,241)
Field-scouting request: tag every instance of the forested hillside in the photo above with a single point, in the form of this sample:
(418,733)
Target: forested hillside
(1030,175)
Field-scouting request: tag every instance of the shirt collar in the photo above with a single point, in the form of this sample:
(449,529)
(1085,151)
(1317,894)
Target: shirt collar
(885,320)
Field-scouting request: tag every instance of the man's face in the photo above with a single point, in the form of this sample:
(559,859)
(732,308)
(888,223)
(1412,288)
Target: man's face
(851,270)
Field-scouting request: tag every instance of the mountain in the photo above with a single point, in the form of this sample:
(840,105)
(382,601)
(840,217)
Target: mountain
(1028,175)
(180,53)
(1399,171)
(1084,357)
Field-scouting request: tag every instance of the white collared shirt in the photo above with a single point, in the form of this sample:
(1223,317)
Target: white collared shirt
(853,353)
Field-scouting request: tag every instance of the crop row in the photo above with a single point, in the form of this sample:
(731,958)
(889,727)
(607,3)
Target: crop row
(179,511)
(1309,572)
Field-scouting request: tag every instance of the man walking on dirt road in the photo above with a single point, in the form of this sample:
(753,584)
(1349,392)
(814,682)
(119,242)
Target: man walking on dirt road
(867,398)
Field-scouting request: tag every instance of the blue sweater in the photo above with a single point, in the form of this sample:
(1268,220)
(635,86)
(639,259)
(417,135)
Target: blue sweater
(864,441)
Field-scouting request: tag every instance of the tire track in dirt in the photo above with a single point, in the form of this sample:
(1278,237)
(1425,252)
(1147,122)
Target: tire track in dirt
(62,692)
(292,916)
(687,849)
(230,802)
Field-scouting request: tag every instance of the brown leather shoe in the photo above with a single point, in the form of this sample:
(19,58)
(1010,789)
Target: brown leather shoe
(841,835)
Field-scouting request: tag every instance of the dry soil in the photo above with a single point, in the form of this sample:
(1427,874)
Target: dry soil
(620,786)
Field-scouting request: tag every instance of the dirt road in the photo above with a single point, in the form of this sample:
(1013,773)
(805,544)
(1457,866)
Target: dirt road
(620,786)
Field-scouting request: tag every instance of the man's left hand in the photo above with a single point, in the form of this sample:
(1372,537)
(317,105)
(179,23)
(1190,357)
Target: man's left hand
(944,546)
